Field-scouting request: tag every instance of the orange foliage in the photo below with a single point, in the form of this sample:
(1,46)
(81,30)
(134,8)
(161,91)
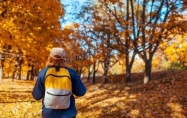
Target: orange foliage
(31,25)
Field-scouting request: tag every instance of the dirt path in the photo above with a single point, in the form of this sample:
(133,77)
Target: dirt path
(17,91)
(163,98)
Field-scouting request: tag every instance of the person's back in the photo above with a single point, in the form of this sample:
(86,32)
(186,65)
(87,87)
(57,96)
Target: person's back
(54,83)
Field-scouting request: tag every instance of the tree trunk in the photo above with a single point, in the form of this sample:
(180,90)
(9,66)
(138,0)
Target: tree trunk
(2,68)
(14,72)
(89,73)
(19,71)
(147,73)
(106,69)
(32,72)
(129,67)
(88,78)
(28,74)
(128,75)
(94,72)
(1,73)
(107,60)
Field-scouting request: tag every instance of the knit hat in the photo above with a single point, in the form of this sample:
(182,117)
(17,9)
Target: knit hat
(58,52)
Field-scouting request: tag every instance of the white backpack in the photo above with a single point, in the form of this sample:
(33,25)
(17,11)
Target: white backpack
(58,89)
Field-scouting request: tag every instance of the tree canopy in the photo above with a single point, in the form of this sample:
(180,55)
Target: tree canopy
(108,32)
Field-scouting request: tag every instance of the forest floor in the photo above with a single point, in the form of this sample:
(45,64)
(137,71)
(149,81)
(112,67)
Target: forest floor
(163,97)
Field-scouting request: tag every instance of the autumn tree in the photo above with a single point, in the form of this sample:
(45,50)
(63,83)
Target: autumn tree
(88,47)
(88,41)
(119,13)
(154,26)
(175,51)
(101,28)
(148,23)
(31,25)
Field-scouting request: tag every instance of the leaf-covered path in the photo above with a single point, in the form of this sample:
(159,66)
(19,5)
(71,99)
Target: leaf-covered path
(164,98)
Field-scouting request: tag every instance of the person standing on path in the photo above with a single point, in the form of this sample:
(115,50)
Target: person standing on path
(56,85)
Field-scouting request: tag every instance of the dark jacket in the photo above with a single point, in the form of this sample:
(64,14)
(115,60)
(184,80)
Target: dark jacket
(78,89)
